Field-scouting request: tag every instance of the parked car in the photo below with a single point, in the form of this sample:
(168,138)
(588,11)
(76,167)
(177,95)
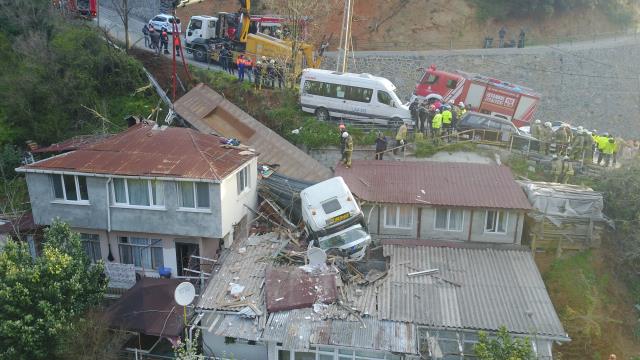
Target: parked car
(163,20)
(497,129)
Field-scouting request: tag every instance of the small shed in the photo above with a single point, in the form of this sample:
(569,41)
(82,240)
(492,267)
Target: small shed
(566,216)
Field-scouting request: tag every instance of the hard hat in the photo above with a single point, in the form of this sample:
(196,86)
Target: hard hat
(345,135)
(594,131)
(258,62)
(341,126)
(451,102)
(580,128)
(606,134)
(554,156)
(264,58)
(437,110)
(461,104)
(565,157)
(547,124)
(272,61)
(537,121)
(565,125)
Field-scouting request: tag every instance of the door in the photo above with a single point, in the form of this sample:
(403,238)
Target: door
(383,107)
(184,251)
(194,30)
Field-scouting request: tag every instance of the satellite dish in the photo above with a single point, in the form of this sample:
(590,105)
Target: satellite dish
(316,256)
(184,294)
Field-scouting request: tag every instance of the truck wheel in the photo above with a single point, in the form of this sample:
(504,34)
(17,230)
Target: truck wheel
(322,114)
(199,54)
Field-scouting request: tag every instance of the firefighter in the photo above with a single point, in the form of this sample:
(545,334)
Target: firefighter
(536,129)
(240,63)
(567,169)
(271,73)
(562,140)
(154,36)
(546,135)
(381,146)
(248,68)
(587,146)
(609,149)
(430,114)
(145,33)
(601,143)
(556,168)
(176,43)
(619,148)
(446,120)
(343,143)
(463,109)
(348,150)
(257,72)
(436,126)
(577,145)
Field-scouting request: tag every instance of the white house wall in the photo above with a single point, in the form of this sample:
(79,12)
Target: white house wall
(233,205)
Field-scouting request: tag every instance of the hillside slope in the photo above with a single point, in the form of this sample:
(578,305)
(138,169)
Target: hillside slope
(431,24)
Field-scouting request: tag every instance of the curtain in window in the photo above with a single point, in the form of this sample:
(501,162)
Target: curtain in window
(441,219)
(405,218)
(119,191)
(502,222)
(202,190)
(157,191)
(186,194)
(57,186)
(390,218)
(138,192)
(141,253)
(491,221)
(82,184)
(455,219)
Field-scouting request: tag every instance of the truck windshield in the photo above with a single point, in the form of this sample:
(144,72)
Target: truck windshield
(342,239)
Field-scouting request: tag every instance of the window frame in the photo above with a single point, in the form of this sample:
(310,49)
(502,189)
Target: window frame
(397,217)
(64,199)
(448,227)
(391,101)
(496,221)
(149,247)
(243,175)
(194,187)
(127,204)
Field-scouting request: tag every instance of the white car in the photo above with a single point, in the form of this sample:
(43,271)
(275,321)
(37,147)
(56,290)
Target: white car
(165,21)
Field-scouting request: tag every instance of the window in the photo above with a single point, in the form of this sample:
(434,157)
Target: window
(331,206)
(451,83)
(243,179)
(91,245)
(159,19)
(353,93)
(195,25)
(142,252)
(385,98)
(194,194)
(330,353)
(138,192)
(496,222)
(359,94)
(398,217)
(431,79)
(448,219)
(69,187)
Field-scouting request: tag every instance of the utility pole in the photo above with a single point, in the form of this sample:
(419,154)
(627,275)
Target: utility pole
(345,36)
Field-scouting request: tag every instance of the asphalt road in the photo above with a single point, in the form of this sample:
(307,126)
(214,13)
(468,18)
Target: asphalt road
(111,23)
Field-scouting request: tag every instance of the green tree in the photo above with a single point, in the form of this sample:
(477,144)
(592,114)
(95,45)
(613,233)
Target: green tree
(188,349)
(502,347)
(41,298)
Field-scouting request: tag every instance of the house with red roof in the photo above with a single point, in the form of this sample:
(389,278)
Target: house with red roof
(152,196)
(428,201)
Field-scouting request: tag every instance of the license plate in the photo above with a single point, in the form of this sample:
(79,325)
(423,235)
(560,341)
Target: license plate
(339,218)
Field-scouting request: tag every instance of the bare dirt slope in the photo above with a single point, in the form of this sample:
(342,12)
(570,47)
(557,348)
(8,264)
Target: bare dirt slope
(429,24)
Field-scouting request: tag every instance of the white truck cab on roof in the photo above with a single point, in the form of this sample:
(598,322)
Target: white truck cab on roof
(334,219)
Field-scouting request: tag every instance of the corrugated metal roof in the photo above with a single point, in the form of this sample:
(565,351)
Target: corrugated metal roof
(236,326)
(298,329)
(74,143)
(146,150)
(479,289)
(209,112)
(434,183)
(289,288)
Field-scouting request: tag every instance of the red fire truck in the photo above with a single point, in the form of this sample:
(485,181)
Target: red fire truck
(484,94)
(84,8)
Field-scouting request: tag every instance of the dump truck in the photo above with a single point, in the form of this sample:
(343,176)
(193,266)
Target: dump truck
(484,94)
(334,220)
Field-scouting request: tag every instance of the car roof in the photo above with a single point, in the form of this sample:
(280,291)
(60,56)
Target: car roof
(487,116)
(164,15)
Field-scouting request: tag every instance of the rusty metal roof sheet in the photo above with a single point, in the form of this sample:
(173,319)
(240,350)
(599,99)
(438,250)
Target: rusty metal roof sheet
(148,150)
(301,328)
(209,112)
(479,289)
(74,143)
(288,288)
(434,183)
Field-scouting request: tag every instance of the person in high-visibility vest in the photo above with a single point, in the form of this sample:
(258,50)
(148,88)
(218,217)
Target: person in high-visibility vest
(609,148)
(436,125)
(601,142)
(446,120)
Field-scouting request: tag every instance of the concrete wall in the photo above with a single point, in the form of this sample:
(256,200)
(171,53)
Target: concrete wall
(234,204)
(374,217)
(142,9)
(593,83)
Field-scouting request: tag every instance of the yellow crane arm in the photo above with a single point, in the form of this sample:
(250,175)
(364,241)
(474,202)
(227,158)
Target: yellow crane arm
(245,11)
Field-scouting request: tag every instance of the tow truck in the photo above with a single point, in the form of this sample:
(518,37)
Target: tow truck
(207,35)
